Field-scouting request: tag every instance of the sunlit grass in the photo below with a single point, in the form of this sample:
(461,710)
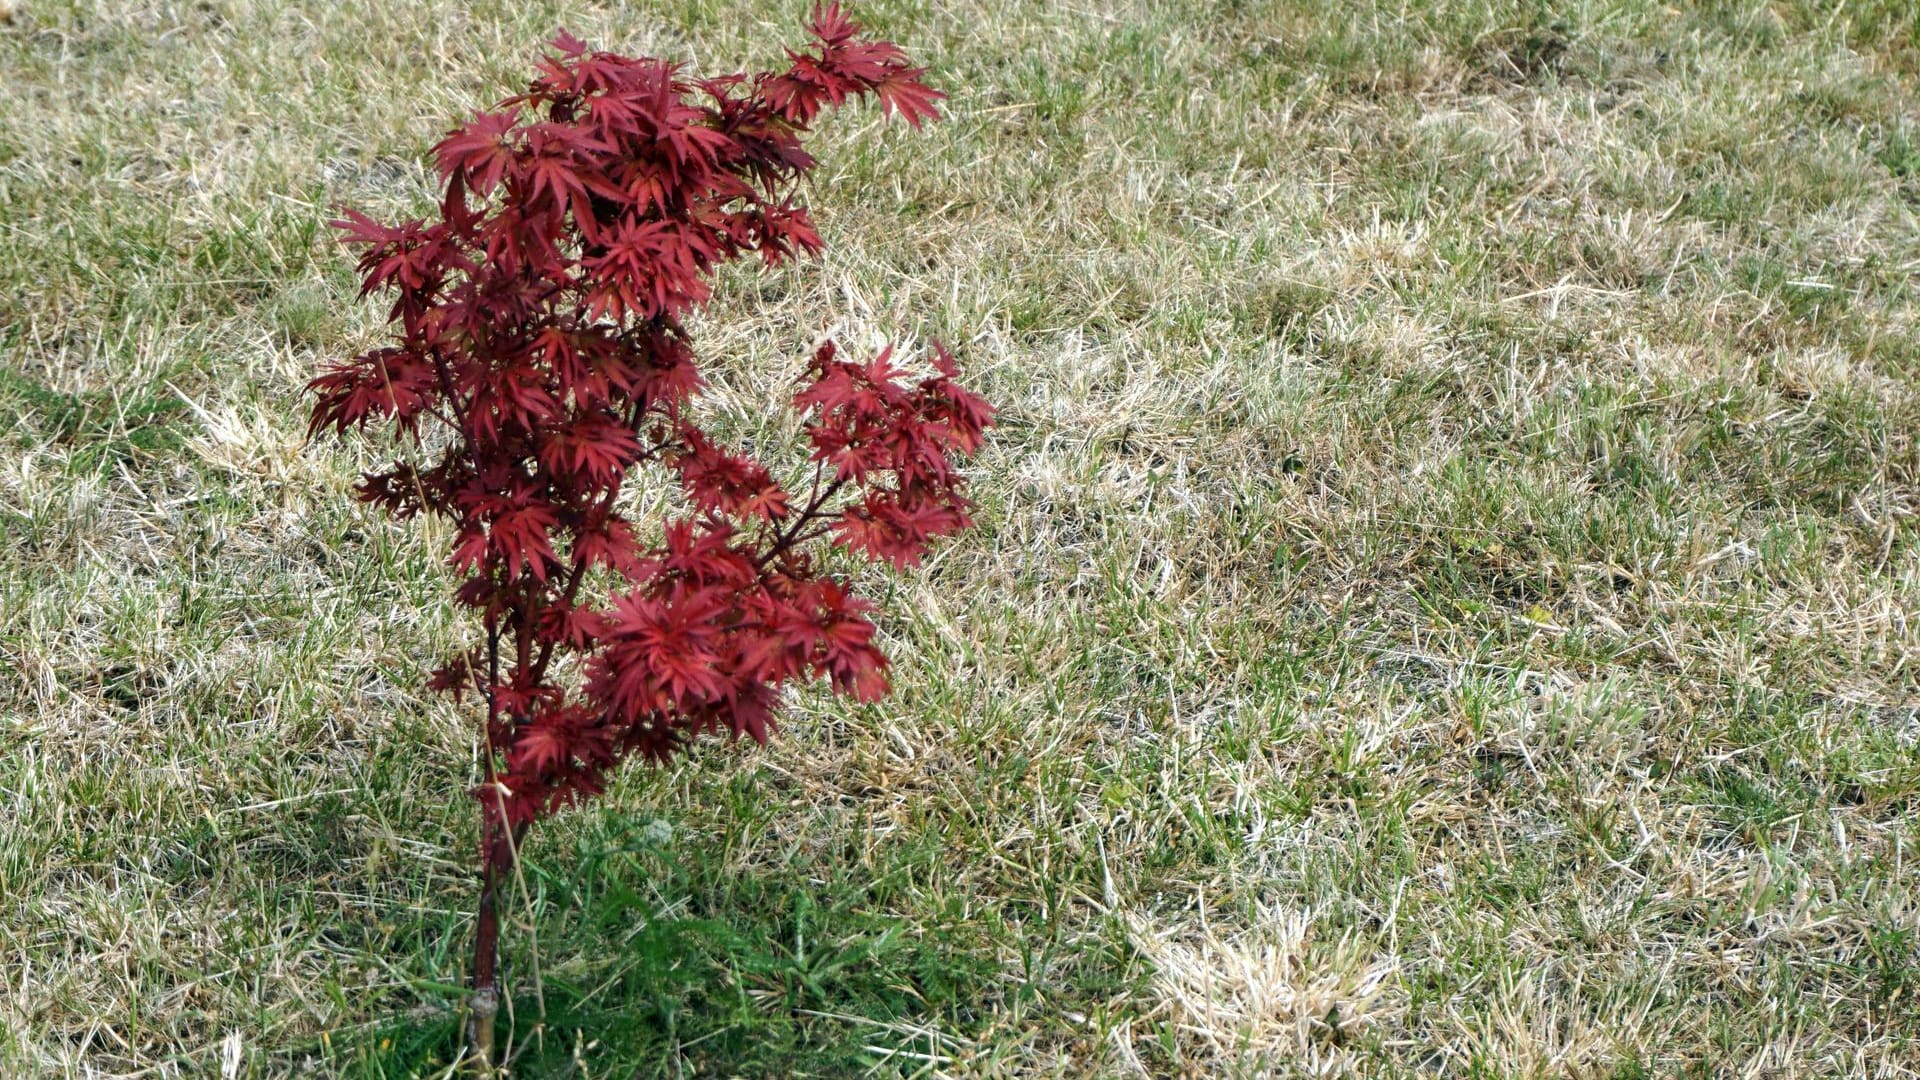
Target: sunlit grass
(1444,602)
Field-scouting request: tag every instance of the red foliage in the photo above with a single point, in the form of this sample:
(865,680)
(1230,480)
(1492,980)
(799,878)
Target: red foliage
(539,355)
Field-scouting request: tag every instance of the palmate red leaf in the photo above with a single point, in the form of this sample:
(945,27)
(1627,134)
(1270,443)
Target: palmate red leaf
(393,384)
(358,228)
(611,544)
(518,541)
(553,180)
(881,532)
(660,655)
(902,92)
(455,677)
(539,748)
(723,483)
(795,95)
(481,151)
(597,449)
(753,712)
(540,328)
(848,654)
(573,627)
(784,232)
(830,24)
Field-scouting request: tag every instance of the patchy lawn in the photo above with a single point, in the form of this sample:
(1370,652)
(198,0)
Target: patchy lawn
(1446,598)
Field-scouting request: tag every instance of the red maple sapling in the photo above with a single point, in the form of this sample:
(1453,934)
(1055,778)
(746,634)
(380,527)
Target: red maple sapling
(540,356)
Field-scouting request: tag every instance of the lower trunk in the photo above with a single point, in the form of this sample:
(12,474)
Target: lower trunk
(484,1003)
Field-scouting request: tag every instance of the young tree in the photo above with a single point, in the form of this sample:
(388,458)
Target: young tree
(539,357)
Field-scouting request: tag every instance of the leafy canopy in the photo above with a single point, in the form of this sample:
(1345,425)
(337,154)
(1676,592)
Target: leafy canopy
(539,355)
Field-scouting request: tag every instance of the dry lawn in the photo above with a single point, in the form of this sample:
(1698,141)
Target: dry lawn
(1446,602)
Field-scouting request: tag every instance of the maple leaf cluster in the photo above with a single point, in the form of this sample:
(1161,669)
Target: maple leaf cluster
(539,357)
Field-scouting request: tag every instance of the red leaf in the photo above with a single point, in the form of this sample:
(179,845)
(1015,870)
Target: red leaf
(831,25)
(361,229)
(902,92)
(479,151)
(538,748)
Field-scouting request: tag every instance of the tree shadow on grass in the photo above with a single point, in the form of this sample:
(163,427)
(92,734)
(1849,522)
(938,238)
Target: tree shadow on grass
(656,963)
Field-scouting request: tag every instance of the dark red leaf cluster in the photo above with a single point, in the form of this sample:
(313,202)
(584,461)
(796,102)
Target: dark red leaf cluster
(539,356)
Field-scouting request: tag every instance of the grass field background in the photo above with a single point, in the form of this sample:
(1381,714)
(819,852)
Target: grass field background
(1446,599)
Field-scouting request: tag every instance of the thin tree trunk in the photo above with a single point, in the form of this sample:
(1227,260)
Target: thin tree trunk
(484,1003)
